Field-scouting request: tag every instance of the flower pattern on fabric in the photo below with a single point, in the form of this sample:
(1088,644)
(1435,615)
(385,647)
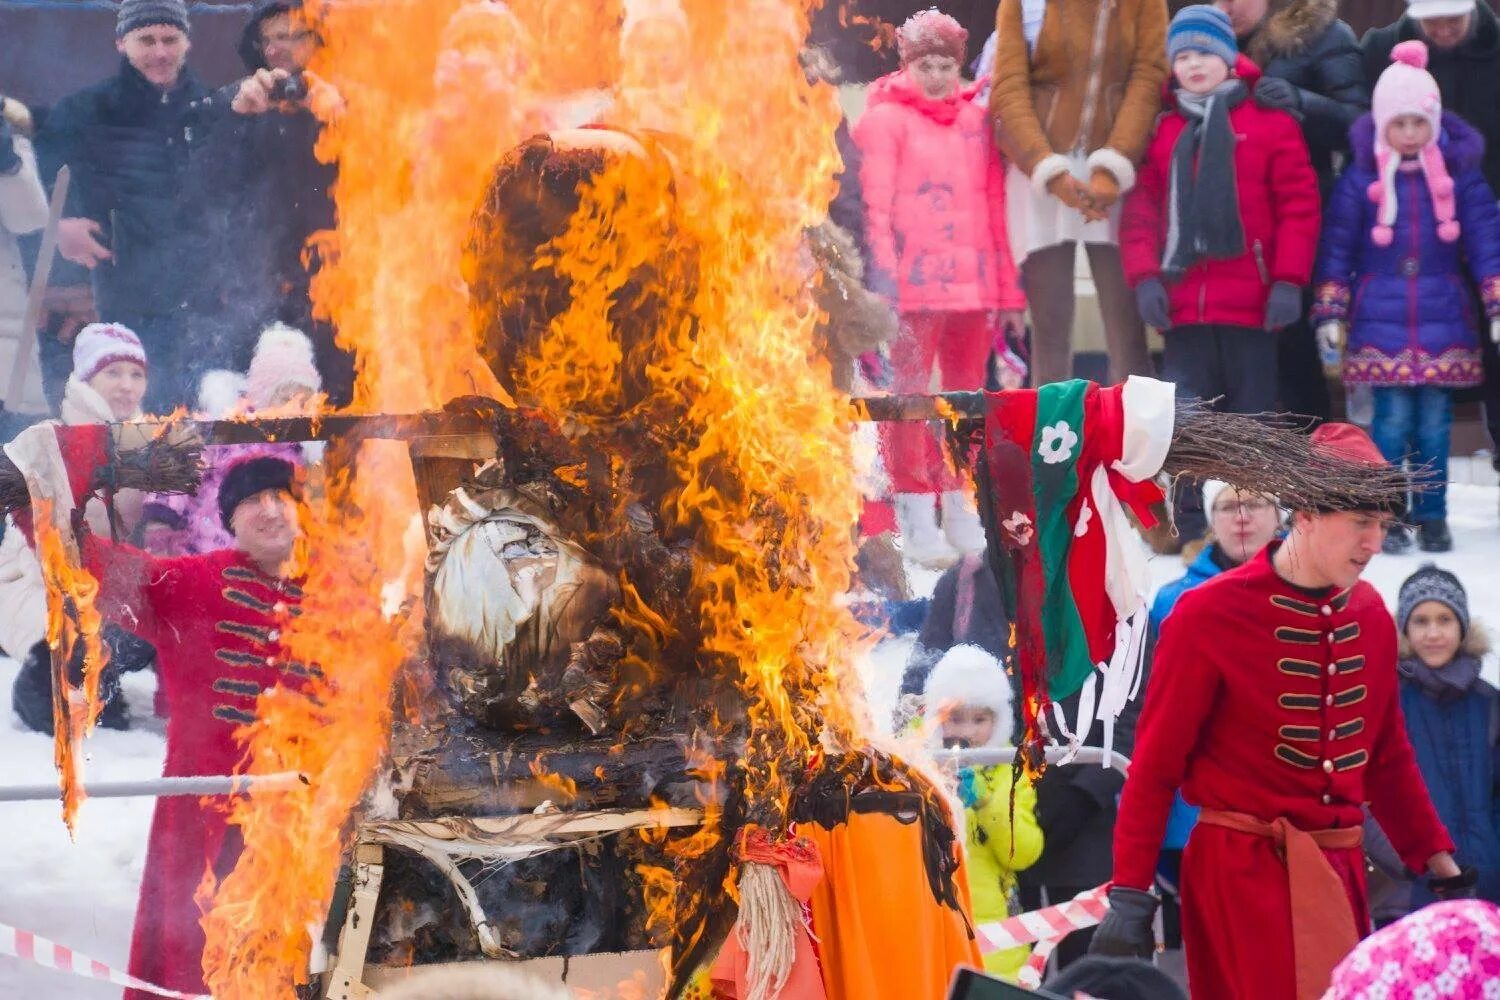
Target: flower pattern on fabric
(1444,950)
(1057,444)
(1085,515)
(1020,529)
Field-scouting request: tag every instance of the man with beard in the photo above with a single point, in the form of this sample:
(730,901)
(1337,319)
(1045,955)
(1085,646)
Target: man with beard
(1273,705)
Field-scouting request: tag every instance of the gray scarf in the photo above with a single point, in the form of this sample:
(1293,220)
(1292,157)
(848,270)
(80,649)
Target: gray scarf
(1446,683)
(1203,204)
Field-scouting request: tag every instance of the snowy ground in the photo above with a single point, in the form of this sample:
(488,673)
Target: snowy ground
(83,894)
(79,894)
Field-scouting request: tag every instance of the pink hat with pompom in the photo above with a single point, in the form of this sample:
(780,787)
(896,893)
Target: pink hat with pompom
(1406,88)
(931,33)
(283,360)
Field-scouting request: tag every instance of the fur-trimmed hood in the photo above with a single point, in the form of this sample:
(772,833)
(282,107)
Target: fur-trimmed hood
(967,675)
(1461,143)
(1290,29)
(1476,644)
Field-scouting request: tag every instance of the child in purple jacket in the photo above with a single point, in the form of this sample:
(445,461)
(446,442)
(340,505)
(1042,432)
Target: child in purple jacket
(1410,221)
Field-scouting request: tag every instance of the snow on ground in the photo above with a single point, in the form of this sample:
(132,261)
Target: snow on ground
(83,894)
(79,894)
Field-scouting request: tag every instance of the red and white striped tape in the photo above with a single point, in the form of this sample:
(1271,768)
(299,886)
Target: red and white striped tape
(1049,924)
(29,947)
(1035,968)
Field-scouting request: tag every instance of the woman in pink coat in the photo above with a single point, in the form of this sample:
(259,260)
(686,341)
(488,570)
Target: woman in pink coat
(934,191)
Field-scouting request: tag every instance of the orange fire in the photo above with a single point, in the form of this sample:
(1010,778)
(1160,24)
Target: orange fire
(433,93)
(73,623)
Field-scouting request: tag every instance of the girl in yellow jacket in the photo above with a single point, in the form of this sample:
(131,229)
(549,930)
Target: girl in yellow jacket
(970,696)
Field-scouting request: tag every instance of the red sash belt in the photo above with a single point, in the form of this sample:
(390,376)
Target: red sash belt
(1323,928)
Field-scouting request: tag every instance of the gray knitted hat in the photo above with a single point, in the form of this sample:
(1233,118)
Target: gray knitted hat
(148,13)
(1433,584)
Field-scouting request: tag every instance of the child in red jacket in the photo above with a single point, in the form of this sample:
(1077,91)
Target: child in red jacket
(1221,231)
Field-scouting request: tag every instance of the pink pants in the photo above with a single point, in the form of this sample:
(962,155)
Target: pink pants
(935,352)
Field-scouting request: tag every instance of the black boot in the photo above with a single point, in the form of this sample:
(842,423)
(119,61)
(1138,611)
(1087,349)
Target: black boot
(1434,536)
(1397,541)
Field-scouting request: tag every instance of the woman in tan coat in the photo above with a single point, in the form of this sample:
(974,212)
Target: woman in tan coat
(1075,94)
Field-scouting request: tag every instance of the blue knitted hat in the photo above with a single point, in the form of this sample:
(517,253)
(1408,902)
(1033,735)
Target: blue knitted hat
(1204,28)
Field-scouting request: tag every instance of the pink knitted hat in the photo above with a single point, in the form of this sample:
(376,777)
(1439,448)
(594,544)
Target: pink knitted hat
(1443,950)
(1406,88)
(100,345)
(283,357)
(931,32)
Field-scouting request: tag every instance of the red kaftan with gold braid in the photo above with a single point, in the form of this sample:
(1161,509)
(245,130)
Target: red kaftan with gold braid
(1270,700)
(216,622)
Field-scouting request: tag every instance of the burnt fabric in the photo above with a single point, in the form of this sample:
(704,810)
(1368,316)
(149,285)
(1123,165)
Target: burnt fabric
(1297,719)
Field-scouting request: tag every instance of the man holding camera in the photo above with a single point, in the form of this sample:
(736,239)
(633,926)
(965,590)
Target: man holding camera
(261,159)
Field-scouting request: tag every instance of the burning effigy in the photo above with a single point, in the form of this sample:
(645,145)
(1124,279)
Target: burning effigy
(632,598)
(602,697)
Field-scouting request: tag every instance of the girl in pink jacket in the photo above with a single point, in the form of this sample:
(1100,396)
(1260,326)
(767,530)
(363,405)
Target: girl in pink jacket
(934,191)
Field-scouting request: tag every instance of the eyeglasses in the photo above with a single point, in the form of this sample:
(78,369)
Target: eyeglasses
(285,38)
(1244,508)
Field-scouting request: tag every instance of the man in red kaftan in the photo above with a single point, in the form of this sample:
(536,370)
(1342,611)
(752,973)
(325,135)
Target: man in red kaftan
(1273,705)
(216,621)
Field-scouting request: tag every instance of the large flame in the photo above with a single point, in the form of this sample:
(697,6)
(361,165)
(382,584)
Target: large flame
(434,92)
(73,631)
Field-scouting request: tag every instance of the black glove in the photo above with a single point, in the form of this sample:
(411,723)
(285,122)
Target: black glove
(1284,306)
(1154,305)
(10,160)
(1281,95)
(1126,931)
(1460,886)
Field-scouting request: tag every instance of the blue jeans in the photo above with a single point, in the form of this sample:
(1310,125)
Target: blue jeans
(1414,423)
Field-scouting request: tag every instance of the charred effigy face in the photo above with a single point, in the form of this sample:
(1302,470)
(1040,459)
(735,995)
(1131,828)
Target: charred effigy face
(515,604)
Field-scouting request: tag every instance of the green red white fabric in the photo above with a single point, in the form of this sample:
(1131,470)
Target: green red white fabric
(1064,463)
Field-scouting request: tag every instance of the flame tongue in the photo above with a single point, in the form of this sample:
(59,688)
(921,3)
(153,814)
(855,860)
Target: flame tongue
(73,632)
(752,448)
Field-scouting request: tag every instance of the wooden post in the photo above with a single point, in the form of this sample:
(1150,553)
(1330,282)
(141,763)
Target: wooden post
(345,982)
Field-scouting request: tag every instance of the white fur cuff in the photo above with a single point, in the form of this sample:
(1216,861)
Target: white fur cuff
(1116,163)
(1053,165)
